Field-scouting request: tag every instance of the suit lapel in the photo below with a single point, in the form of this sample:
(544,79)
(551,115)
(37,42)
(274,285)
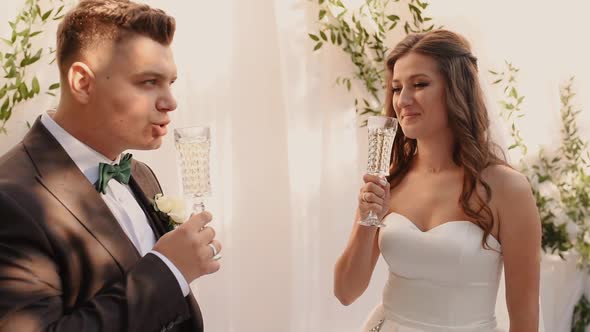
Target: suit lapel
(62,178)
(142,189)
(197,318)
(144,185)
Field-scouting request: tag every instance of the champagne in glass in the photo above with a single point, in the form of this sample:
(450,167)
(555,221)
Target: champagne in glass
(382,131)
(192,147)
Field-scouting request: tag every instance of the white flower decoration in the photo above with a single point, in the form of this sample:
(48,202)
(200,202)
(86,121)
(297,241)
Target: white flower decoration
(173,207)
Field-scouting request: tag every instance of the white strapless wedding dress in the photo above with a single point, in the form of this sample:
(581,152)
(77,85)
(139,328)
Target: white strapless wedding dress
(441,280)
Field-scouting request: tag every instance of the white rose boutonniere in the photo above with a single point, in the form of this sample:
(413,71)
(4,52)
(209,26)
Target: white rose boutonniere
(173,207)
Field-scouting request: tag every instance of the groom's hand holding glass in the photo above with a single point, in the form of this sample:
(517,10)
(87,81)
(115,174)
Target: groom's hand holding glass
(374,196)
(191,247)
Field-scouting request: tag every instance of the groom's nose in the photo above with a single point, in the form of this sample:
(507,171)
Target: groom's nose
(167,102)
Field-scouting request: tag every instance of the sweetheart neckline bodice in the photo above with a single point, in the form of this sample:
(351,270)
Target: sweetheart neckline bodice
(442,225)
(441,279)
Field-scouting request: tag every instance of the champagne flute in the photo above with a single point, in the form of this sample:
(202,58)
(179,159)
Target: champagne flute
(192,146)
(382,131)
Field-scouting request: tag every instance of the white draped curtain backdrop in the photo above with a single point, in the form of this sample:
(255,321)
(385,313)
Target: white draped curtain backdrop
(288,154)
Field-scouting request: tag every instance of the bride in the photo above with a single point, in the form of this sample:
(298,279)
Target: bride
(455,212)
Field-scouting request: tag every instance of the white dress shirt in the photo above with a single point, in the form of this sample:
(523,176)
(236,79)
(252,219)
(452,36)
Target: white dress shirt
(119,197)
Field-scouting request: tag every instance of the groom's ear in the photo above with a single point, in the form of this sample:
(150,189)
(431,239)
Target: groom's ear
(80,82)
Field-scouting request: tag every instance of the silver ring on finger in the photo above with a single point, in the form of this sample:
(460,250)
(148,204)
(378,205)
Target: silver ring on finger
(213,248)
(216,255)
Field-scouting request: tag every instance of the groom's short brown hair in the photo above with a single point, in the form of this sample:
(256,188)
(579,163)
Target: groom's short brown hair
(93,21)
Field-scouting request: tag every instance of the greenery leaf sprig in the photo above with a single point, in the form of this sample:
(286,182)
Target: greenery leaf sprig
(361,34)
(20,54)
(511,104)
(574,183)
(541,173)
(564,170)
(581,316)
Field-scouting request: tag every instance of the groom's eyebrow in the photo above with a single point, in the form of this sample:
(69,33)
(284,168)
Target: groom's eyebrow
(156,74)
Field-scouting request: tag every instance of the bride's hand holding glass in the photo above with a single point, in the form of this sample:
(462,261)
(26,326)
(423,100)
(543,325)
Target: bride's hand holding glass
(381,130)
(374,196)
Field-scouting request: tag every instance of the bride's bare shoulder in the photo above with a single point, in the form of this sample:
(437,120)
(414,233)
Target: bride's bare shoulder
(508,185)
(503,177)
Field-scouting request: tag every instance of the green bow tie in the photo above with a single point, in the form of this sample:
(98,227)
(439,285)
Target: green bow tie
(120,172)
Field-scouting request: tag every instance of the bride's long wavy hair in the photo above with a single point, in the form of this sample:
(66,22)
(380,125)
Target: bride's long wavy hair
(467,118)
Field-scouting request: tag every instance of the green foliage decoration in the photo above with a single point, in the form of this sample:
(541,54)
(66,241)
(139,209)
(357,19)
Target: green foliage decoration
(361,34)
(19,53)
(581,317)
(559,177)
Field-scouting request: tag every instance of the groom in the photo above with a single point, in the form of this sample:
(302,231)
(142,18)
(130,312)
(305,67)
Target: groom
(81,247)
